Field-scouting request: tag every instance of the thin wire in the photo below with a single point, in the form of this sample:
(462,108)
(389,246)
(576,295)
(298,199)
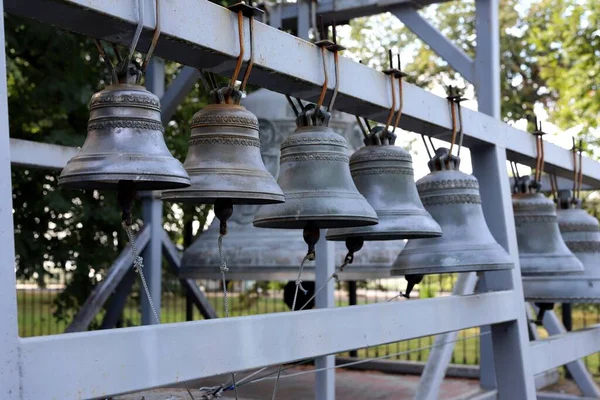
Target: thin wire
(426,147)
(155,37)
(138,29)
(292,105)
(224,269)
(298,286)
(268,377)
(107,61)
(362,127)
(138,265)
(334,275)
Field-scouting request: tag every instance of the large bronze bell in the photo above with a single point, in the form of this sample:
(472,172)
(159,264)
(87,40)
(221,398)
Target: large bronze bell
(268,254)
(452,198)
(315,178)
(383,173)
(223,158)
(581,233)
(542,250)
(124,142)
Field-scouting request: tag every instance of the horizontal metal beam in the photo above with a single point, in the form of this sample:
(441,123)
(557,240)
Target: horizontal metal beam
(439,43)
(40,155)
(286,64)
(562,349)
(93,364)
(177,91)
(107,286)
(343,11)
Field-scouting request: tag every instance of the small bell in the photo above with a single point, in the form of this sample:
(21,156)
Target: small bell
(383,173)
(581,233)
(316,181)
(223,158)
(452,198)
(125,142)
(258,254)
(542,250)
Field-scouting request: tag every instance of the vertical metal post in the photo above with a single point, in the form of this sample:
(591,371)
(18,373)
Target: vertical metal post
(152,214)
(487,89)
(324,267)
(439,358)
(303,19)
(10,386)
(510,340)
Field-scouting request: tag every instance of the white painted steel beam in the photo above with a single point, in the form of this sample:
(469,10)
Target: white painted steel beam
(344,10)
(562,349)
(289,65)
(10,371)
(40,155)
(105,363)
(439,43)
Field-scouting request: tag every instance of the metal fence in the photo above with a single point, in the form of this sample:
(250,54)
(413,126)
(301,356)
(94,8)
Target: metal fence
(36,311)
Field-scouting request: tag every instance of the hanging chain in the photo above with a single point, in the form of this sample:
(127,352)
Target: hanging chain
(138,265)
(224,270)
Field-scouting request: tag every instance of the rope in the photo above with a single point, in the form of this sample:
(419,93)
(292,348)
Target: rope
(138,265)
(270,376)
(307,257)
(224,270)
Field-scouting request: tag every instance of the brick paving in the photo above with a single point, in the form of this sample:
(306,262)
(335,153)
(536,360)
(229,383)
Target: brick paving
(350,385)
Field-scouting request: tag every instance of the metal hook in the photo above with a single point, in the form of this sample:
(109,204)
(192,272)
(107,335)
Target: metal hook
(138,29)
(324,88)
(155,37)
(451,96)
(400,76)
(335,48)
(240,58)
(539,144)
(250,14)
(391,72)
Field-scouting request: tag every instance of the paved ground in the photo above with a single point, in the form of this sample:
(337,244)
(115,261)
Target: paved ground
(350,385)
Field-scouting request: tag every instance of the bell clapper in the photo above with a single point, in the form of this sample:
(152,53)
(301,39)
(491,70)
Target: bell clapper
(542,308)
(411,280)
(125,198)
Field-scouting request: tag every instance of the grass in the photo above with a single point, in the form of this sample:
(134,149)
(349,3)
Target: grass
(36,319)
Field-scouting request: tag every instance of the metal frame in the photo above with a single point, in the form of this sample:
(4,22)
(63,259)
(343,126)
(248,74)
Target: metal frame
(104,363)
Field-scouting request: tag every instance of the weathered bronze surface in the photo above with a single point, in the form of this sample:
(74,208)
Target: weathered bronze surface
(124,143)
(452,198)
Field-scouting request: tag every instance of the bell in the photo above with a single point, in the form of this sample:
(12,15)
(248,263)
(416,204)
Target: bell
(452,198)
(258,254)
(383,173)
(581,233)
(223,158)
(542,250)
(124,142)
(315,178)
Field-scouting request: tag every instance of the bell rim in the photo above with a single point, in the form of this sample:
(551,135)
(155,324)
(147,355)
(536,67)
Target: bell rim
(450,269)
(578,287)
(384,236)
(210,197)
(110,181)
(322,222)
